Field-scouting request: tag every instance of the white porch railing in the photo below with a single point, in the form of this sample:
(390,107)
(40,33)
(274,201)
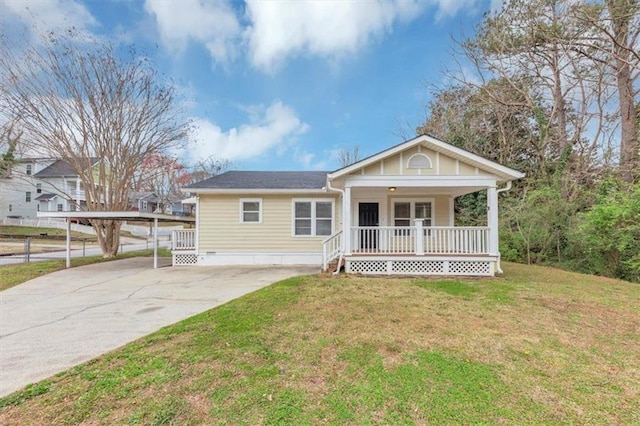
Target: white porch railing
(184,239)
(331,249)
(409,240)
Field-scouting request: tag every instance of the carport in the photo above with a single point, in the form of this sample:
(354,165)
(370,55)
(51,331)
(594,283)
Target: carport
(117,216)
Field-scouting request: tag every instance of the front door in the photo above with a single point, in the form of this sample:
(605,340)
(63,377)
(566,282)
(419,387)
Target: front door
(368,216)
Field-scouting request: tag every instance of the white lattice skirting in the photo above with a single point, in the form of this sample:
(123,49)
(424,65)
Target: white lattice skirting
(421,267)
(185,259)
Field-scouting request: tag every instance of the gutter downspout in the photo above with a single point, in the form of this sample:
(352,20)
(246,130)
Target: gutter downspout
(344,213)
(506,188)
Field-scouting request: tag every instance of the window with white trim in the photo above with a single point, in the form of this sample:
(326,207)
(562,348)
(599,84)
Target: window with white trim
(251,210)
(312,218)
(29,169)
(27,196)
(406,212)
(60,207)
(39,188)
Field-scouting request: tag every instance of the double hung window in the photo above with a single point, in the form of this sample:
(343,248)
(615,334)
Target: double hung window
(251,210)
(312,218)
(406,212)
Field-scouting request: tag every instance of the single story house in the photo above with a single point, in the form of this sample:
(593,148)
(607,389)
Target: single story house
(390,213)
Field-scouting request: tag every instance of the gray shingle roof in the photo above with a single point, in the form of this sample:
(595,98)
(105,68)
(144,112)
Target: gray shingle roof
(60,168)
(45,197)
(264,180)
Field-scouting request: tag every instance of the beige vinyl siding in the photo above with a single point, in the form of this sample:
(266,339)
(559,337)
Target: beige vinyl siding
(392,165)
(220,229)
(447,165)
(442,210)
(397,165)
(466,169)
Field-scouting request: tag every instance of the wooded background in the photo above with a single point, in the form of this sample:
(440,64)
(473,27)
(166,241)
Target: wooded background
(551,88)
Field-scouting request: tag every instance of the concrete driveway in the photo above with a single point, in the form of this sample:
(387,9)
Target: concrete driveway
(52,323)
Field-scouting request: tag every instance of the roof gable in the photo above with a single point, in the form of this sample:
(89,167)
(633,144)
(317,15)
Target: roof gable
(432,144)
(60,168)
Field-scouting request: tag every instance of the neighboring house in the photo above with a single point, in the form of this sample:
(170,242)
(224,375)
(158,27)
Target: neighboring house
(40,184)
(149,202)
(143,201)
(19,188)
(391,213)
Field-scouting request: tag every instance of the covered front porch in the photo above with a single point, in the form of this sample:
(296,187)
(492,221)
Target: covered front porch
(406,225)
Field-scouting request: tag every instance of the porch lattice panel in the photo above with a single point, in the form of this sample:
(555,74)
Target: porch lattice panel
(368,266)
(185,259)
(420,267)
(469,268)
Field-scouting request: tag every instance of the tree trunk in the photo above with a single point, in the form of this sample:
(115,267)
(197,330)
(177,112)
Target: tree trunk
(108,232)
(620,12)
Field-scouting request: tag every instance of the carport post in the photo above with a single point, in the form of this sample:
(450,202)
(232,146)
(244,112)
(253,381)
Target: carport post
(155,243)
(68,243)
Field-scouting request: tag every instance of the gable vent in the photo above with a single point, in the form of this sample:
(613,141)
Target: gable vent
(419,161)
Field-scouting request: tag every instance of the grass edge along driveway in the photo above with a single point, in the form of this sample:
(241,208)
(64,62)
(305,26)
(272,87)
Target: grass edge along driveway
(536,346)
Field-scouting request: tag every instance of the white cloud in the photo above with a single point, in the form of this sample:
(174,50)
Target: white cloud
(277,30)
(449,8)
(212,23)
(276,126)
(328,29)
(47,15)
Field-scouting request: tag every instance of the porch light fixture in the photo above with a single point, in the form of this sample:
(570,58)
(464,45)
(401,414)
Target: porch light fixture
(392,188)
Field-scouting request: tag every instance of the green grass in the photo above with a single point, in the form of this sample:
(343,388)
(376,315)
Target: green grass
(12,275)
(536,346)
(35,232)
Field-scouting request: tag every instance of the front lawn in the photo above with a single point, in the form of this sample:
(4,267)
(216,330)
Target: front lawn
(537,346)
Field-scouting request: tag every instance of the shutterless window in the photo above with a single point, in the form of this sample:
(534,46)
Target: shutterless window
(27,196)
(60,207)
(405,213)
(29,169)
(313,218)
(423,211)
(402,214)
(39,188)
(303,218)
(250,211)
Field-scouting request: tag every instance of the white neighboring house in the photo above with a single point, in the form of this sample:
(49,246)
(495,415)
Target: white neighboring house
(40,184)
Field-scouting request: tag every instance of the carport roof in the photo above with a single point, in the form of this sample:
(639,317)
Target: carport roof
(118,215)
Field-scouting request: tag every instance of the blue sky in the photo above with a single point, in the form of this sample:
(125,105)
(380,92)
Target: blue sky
(282,85)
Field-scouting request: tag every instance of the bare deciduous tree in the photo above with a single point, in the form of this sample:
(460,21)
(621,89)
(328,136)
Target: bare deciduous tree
(207,168)
(348,156)
(164,176)
(9,139)
(81,99)
(613,44)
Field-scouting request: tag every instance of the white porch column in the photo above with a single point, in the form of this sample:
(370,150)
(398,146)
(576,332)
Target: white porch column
(419,239)
(346,219)
(492,219)
(68,262)
(155,243)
